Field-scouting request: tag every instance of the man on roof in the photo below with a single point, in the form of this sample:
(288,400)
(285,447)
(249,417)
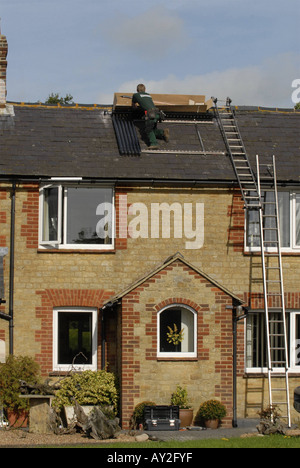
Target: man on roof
(152,116)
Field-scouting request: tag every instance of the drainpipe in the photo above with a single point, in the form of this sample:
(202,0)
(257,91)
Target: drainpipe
(11,270)
(239,313)
(103,339)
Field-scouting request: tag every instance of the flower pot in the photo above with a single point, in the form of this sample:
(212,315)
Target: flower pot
(17,419)
(186,417)
(212,424)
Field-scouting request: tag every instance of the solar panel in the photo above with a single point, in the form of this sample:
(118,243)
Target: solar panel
(126,134)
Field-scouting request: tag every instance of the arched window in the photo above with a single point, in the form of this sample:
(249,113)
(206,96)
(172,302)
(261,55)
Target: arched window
(177,331)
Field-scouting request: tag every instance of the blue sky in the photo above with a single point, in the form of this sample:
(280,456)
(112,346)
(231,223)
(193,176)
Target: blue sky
(246,49)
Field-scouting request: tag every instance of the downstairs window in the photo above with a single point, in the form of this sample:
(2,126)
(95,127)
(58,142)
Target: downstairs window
(75,339)
(177,332)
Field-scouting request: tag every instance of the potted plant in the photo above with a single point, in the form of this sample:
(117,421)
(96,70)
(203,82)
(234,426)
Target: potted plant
(12,372)
(186,413)
(174,335)
(211,413)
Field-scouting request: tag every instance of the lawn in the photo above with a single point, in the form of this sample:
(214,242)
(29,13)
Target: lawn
(276,441)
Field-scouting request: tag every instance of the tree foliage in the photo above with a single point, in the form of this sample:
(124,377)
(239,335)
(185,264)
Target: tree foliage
(54,98)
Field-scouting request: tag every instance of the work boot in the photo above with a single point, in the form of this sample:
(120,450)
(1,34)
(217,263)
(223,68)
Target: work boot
(167,135)
(153,147)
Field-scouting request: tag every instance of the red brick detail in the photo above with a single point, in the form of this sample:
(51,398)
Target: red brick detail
(3,217)
(121,209)
(223,319)
(3,194)
(202,328)
(31,207)
(130,364)
(2,335)
(51,298)
(236,229)
(256,300)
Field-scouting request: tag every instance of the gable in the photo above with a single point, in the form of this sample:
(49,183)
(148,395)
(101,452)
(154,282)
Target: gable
(184,270)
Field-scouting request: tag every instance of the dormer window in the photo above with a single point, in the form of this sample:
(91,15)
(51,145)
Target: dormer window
(76,217)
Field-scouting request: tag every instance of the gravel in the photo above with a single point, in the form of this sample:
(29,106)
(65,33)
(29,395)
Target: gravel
(18,438)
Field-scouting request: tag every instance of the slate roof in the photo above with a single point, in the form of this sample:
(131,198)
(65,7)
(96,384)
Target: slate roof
(41,141)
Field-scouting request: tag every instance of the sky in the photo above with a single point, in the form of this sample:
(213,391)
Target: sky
(248,50)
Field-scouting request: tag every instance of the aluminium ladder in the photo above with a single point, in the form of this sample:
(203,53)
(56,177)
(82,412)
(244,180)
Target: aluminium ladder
(274,299)
(238,155)
(265,201)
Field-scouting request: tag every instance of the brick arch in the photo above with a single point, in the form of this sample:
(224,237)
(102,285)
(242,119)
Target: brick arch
(202,328)
(51,298)
(179,301)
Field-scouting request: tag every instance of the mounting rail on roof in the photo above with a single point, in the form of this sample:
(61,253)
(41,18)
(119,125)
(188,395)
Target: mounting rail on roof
(125,122)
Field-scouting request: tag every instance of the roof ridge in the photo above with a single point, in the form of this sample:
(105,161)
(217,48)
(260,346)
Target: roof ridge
(61,106)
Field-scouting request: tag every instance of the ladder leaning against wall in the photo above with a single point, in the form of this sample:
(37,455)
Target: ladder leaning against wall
(260,193)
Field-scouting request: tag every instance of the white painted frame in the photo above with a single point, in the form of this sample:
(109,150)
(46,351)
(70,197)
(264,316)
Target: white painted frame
(67,367)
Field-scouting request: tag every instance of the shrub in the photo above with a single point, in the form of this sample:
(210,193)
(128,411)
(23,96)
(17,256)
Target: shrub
(17,368)
(138,414)
(209,410)
(88,388)
(180,398)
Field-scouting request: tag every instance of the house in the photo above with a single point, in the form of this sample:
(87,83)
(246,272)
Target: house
(105,248)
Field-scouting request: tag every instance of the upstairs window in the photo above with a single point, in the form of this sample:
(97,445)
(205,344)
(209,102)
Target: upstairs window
(177,320)
(289,219)
(76,217)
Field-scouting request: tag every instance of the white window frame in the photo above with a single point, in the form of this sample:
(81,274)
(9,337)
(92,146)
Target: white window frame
(293,366)
(176,354)
(78,367)
(61,243)
(294,248)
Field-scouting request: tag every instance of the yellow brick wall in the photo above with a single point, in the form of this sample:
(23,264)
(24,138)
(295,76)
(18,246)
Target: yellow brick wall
(220,257)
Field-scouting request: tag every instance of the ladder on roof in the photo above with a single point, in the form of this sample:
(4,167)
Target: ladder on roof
(274,299)
(261,194)
(238,155)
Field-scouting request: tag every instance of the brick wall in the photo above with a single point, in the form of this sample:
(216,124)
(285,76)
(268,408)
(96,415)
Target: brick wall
(147,377)
(44,313)
(45,280)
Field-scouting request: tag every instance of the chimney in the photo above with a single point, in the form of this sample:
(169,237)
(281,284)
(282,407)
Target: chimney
(3,65)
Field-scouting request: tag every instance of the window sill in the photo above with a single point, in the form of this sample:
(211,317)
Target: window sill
(177,359)
(261,375)
(74,251)
(257,253)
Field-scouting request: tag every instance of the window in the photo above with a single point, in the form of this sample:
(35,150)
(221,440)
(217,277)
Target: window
(256,344)
(289,219)
(75,339)
(76,217)
(183,321)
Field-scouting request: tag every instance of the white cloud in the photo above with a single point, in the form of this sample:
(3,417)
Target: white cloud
(151,35)
(265,84)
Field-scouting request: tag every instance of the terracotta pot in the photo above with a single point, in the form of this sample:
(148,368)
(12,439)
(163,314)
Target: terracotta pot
(186,417)
(212,424)
(17,419)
